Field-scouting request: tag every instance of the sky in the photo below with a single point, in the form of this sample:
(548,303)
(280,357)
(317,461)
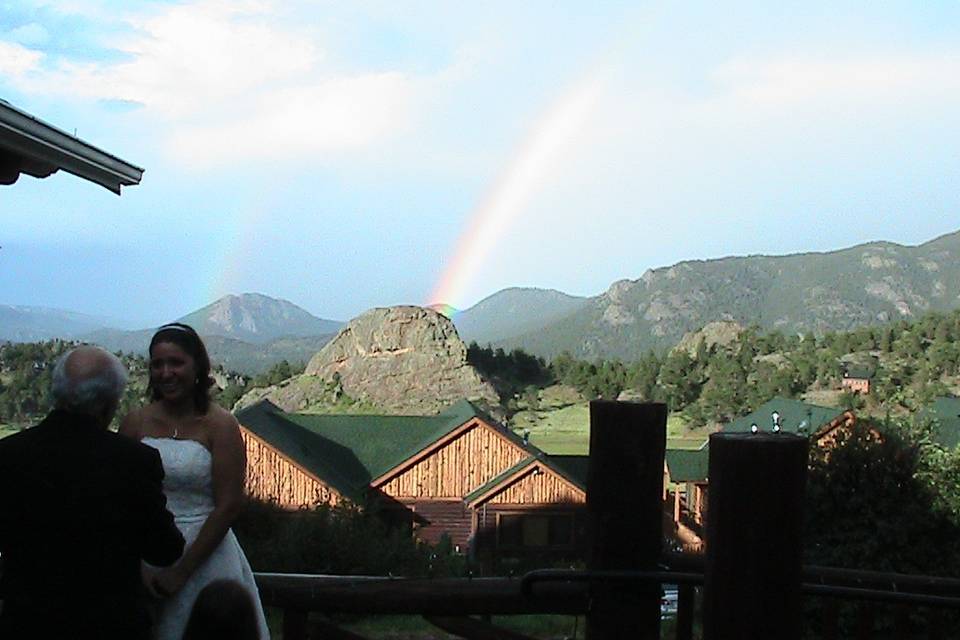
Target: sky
(347,155)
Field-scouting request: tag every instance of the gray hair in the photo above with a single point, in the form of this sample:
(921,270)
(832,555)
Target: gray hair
(89,393)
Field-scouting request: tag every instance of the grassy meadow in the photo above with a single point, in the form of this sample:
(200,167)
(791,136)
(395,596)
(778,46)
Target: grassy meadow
(561,425)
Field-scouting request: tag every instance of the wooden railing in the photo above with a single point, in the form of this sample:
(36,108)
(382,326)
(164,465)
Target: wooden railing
(446,603)
(452,604)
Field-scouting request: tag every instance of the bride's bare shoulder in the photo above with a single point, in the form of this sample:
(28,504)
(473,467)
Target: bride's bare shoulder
(132,424)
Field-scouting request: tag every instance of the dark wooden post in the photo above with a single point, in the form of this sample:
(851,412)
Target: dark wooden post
(752,573)
(625,515)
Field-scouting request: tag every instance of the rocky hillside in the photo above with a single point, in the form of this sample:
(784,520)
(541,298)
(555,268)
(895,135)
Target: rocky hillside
(258,319)
(840,290)
(402,360)
(712,336)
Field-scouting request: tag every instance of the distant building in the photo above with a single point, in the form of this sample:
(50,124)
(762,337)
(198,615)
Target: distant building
(458,473)
(686,505)
(857,380)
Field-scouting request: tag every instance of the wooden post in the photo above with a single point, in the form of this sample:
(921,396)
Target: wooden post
(624,515)
(752,573)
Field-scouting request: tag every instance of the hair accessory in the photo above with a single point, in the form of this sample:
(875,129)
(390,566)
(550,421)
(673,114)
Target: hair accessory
(177,327)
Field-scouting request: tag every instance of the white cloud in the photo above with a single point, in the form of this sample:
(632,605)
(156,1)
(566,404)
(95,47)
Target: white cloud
(796,80)
(754,106)
(332,115)
(225,82)
(16,60)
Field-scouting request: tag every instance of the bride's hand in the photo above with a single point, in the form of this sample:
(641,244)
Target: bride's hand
(167,582)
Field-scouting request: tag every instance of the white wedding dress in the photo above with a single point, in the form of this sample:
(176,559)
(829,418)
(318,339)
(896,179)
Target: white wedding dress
(188,484)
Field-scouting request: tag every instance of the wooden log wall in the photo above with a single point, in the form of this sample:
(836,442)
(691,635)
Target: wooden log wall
(539,486)
(273,477)
(486,520)
(443,516)
(460,466)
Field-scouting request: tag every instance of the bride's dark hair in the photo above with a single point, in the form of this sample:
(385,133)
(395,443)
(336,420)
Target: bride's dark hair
(187,339)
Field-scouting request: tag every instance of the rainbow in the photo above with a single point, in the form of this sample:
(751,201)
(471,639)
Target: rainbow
(230,254)
(529,167)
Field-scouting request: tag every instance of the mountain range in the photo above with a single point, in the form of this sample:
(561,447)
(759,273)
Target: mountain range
(866,284)
(246,333)
(31,324)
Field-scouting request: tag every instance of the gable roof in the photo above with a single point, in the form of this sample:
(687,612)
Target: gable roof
(349,451)
(572,469)
(687,465)
(795,417)
(498,479)
(945,411)
(30,145)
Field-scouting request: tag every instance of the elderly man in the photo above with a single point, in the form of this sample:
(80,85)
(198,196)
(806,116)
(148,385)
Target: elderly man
(80,507)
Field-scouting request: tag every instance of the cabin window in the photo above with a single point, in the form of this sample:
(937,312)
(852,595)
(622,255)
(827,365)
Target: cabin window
(535,530)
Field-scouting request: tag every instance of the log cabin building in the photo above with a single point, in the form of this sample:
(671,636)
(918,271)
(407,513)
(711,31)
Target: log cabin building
(685,495)
(857,380)
(686,481)
(458,473)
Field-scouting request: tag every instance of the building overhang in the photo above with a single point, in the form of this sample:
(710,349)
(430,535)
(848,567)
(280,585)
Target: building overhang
(29,145)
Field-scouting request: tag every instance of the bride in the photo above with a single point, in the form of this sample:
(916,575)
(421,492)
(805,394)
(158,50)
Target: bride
(205,464)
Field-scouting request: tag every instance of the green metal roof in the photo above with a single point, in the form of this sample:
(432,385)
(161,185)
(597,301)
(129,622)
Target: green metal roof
(573,468)
(860,373)
(795,417)
(688,465)
(349,451)
(945,411)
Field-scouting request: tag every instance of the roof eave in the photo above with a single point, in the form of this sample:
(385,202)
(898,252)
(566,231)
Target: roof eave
(46,149)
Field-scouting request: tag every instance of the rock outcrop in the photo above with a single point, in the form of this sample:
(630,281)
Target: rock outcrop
(713,334)
(401,360)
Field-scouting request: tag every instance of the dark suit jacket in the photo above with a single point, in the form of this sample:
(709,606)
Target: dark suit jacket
(79,508)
